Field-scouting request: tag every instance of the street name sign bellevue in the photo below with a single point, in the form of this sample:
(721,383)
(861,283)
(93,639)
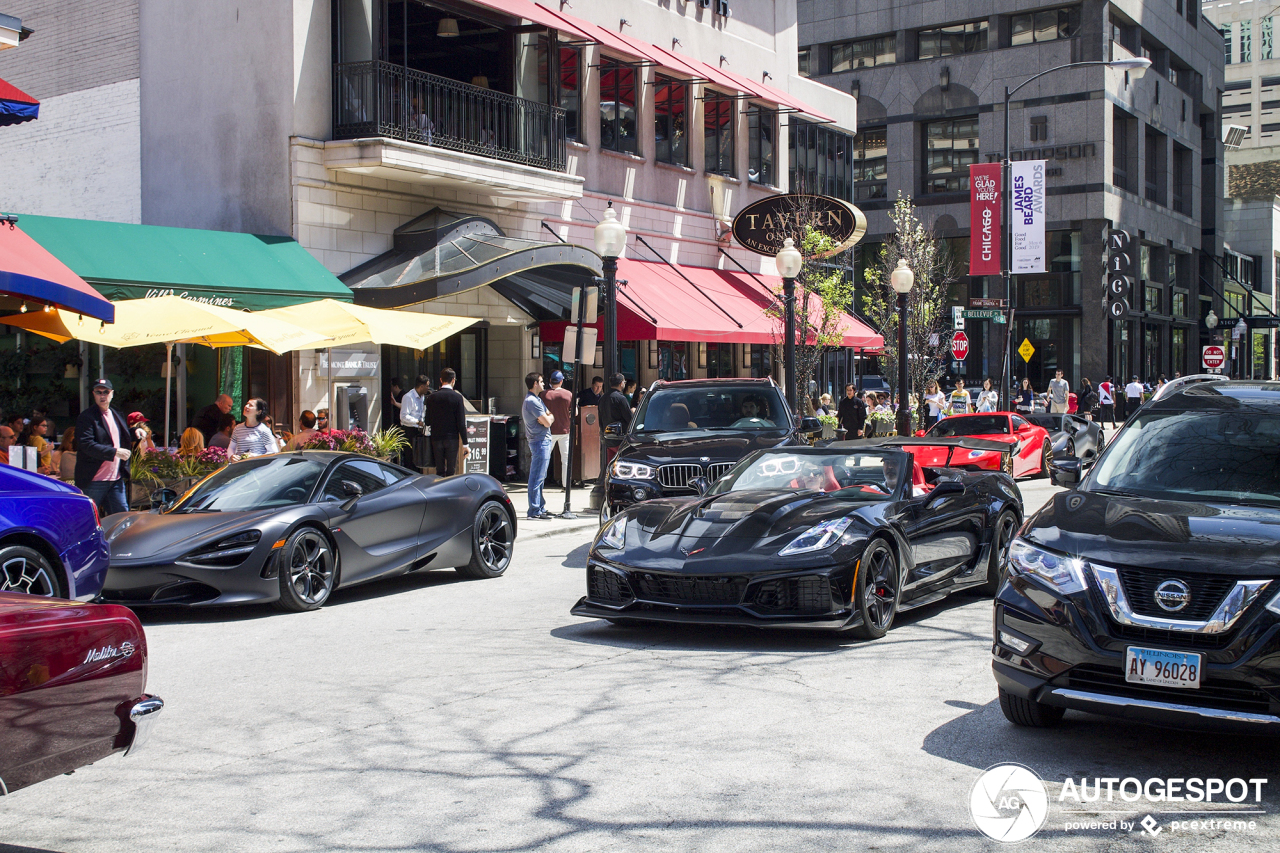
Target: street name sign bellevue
(763,225)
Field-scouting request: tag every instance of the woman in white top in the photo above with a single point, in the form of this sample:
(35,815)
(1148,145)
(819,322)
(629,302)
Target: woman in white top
(253,437)
(988,399)
(937,402)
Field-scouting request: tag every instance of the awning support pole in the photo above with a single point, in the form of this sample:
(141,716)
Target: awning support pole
(168,388)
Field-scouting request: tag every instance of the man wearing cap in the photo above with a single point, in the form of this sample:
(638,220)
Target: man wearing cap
(559,402)
(445,413)
(142,441)
(102,463)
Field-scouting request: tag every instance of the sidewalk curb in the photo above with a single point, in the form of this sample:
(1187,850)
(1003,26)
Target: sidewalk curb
(566,526)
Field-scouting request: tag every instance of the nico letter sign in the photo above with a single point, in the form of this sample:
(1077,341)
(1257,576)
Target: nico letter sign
(762,226)
(1212,357)
(959,346)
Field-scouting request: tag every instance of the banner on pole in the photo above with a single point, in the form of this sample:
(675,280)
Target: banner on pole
(1026,179)
(984,219)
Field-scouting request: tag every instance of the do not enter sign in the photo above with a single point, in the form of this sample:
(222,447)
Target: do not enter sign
(959,346)
(1212,357)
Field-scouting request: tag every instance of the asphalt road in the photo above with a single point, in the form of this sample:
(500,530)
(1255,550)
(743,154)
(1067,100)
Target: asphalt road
(428,713)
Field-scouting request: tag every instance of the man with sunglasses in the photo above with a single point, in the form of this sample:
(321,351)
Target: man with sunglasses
(102,463)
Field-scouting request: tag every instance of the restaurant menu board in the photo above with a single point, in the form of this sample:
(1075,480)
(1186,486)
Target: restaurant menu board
(478,441)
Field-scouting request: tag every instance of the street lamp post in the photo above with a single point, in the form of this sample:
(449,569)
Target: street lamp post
(1239,334)
(902,278)
(1136,66)
(790,262)
(611,240)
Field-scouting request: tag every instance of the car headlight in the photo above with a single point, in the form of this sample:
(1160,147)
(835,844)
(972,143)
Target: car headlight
(1057,571)
(230,551)
(614,534)
(1274,604)
(632,470)
(819,536)
(121,528)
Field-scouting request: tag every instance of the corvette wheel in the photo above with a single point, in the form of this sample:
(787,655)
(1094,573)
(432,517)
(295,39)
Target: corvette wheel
(1046,453)
(877,589)
(308,571)
(24,569)
(492,540)
(1001,539)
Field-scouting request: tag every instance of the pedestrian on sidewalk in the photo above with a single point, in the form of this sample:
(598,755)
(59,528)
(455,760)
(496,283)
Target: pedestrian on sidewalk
(852,413)
(412,413)
(102,469)
(1107,402)
(445,414)
(591,396)
(1088,399)
(1058,391)
(559,403)
(537,431)
(1133,396)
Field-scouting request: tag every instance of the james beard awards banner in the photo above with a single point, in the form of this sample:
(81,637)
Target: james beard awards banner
(1026,179)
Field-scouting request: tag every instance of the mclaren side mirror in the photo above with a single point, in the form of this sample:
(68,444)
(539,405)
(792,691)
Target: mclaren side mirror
(700,485)
(352,492)
(810,426)
(942,491)
(163,498)
(1065,472)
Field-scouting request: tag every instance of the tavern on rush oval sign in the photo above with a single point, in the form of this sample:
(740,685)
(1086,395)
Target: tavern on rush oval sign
(762,226)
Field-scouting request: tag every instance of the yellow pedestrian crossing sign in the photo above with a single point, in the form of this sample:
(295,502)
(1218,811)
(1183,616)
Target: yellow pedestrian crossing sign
(1026,350)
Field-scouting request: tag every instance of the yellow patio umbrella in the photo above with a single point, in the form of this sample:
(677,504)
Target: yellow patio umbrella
(170,320)
(346,324)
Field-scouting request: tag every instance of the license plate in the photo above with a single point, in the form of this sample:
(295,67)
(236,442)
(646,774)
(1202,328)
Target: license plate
(1157,666)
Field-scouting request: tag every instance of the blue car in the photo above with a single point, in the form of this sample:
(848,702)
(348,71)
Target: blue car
(51,540)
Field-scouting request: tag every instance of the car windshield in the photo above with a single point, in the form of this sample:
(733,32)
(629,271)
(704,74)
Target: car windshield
(1049,422)
(752,407)
(856,474)
(1204,456)
(262,483)
(971,425)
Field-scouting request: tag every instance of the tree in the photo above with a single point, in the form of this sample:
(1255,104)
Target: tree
(928,342)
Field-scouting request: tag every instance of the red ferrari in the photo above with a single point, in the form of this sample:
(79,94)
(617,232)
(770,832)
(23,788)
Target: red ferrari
(1030,453)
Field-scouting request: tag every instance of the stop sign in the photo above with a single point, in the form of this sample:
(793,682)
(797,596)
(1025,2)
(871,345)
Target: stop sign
(959,346)
(1212,357)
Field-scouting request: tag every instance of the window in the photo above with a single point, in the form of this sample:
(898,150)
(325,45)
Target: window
(1046,25)
(367,474)
(1124,150)
(720,361)
(870,163)
(948,41)
(761,360)
(1144,262)
(821,161)
(1181,179)
(804,62)
(1040,129)
(1246,41)
(864,53)
(762,136)
(1265,39)
(1226,42)
(1157,166)
(719,113)
(951,146)
(617,106)
(1179,304)
(670,133)
(561,84)
(1179,338)
(1151,302)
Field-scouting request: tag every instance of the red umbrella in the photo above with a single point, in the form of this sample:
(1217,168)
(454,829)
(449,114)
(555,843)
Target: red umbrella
(29,272)
(16,106)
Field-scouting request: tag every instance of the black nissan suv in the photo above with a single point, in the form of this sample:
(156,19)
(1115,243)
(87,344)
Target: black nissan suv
(697,428)
(1152,590)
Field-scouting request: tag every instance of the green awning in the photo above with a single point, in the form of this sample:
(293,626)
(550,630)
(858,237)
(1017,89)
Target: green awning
(242,271)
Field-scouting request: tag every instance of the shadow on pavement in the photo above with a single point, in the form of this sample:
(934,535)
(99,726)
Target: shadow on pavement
(13,848)
(703,637)
(577,558)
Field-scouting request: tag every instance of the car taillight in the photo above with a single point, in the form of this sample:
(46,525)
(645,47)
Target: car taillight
(97,519)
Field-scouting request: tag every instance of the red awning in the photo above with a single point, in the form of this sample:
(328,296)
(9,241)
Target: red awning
(16,106)
(529,11)
(29,272)
(614,41)
(714,306)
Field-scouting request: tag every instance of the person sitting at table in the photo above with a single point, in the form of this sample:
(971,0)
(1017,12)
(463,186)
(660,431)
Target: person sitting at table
(67,458)
(222,438)
(191,443)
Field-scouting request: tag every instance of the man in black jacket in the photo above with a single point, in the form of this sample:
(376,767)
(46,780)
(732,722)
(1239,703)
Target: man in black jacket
(446,415)
(102,460)
(852,413)
(616,407)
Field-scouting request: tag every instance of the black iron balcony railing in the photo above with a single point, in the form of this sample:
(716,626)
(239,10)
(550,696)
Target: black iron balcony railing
(382,99)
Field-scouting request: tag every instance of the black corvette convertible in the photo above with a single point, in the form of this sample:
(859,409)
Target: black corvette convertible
(289,528)
(836,537)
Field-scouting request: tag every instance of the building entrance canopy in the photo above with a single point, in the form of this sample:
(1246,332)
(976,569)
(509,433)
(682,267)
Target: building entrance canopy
(703,304)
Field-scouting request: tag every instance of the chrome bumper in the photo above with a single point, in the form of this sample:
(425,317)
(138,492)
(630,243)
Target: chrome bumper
(1083,698)
(143,715)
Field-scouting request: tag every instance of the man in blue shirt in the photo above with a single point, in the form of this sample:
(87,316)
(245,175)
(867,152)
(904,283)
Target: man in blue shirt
(537,429)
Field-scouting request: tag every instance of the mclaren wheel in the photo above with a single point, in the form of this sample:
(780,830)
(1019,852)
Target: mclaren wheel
(876,590)
(24,569)
(1046,453)
(492,541)
(1071,447)
(1001,538)
(308,571)
(1029,713)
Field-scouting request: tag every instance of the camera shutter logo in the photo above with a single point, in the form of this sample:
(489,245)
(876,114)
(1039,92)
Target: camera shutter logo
(1173,595)
(1009,803)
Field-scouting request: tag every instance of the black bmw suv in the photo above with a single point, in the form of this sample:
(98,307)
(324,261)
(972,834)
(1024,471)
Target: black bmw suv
(697,428)
(1152,590)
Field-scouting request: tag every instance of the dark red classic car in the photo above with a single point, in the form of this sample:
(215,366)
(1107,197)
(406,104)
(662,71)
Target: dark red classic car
(71,686)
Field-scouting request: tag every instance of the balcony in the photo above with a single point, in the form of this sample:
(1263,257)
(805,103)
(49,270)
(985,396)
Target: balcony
(380,99)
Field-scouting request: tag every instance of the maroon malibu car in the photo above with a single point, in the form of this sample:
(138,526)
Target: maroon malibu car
(71,686)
